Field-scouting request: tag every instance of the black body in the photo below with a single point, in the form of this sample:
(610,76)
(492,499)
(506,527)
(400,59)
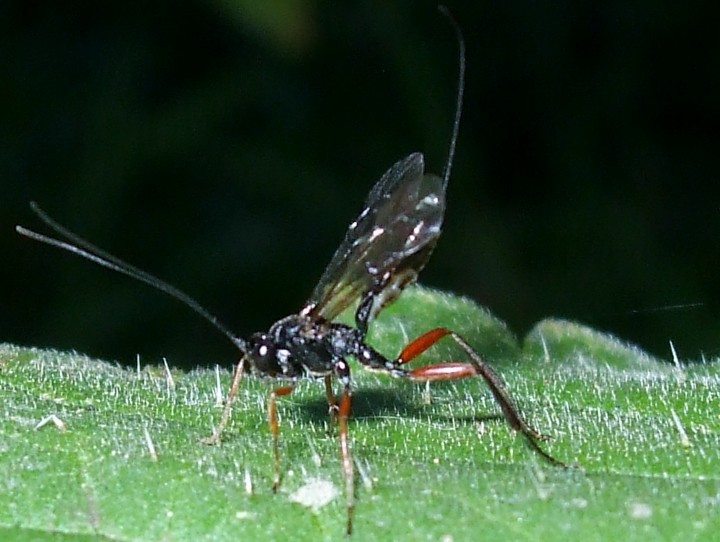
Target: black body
(383,251)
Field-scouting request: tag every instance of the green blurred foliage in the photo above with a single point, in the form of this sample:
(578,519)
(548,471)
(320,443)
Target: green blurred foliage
(226,146)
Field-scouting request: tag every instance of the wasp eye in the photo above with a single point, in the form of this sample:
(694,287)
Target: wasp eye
(262,347)
(263,355)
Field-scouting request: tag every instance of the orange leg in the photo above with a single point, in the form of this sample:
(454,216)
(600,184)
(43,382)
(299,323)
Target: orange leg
(347,463)
(476,367)
(422,343)
(275,430)
(332,403)
(237,378)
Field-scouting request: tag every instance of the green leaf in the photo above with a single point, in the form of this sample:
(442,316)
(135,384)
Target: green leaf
(642,434)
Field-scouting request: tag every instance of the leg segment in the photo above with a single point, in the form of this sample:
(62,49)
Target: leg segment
(343,371)
(422,343)
(275,430)
(476,367)
(332,403)
(235,386)
(347,462)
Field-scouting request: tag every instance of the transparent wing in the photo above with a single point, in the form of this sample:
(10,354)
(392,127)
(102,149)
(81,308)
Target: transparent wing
(395,233)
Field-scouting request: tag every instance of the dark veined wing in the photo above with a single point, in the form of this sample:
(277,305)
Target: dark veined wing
(394,235)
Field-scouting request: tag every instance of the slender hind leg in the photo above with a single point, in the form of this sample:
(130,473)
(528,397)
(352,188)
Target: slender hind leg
(476,367)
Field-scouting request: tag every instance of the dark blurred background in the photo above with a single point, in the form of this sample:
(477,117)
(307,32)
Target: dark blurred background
(226,145)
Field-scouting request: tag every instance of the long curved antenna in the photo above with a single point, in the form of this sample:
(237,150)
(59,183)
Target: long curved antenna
(80,247)
(460,92)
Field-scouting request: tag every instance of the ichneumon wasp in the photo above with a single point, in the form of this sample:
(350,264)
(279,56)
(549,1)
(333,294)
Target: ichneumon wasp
(383,251)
